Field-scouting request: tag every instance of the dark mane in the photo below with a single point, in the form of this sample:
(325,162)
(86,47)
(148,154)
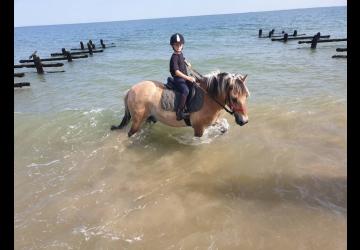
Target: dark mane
(218,83)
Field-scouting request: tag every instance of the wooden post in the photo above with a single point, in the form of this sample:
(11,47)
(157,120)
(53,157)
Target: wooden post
(90,48)
(315,40)
(102,43)
(260,32)
(38,64)
(68,56)
(271,33)
(286,37)
(82,45)
(92,45)
(295,33)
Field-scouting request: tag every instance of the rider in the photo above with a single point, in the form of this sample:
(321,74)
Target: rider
(179,73)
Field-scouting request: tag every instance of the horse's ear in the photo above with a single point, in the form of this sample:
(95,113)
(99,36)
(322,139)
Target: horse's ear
(243,78)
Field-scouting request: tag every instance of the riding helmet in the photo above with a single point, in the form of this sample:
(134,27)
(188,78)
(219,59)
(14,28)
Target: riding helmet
(177,37)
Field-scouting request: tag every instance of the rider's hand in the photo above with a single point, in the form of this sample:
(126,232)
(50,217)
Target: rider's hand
(192,79)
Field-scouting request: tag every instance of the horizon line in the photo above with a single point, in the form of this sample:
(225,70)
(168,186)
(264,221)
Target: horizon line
(155,18)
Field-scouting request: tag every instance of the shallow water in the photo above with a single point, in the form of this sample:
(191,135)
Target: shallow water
(278,182)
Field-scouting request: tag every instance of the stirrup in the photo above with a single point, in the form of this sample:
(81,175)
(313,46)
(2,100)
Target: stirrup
(180,115)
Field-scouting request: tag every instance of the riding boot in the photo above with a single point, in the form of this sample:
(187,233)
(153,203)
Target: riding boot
(179,112)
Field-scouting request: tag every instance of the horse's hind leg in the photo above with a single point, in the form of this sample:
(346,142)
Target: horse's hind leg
(137,121)
(126,118)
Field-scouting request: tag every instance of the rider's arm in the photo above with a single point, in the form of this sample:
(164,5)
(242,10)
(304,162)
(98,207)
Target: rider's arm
(182,75)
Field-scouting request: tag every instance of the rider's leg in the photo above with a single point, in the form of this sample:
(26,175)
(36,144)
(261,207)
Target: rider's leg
(182,87)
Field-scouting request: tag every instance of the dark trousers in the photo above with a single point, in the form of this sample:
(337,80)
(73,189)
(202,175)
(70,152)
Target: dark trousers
(182,86)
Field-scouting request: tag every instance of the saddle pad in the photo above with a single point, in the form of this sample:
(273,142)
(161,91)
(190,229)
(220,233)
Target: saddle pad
(170,100)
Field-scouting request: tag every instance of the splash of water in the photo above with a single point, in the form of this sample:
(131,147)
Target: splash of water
(220,127)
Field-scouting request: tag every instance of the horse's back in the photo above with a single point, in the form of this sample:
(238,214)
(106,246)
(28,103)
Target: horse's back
(145,92)
(144,99)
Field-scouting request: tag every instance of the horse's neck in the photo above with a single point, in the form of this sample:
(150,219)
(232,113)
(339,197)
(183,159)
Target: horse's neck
(209,101)
(220,99)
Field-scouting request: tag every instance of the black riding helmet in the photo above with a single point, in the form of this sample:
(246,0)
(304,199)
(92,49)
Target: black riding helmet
(177,37)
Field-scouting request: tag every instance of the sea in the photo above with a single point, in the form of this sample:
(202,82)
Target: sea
(278,182)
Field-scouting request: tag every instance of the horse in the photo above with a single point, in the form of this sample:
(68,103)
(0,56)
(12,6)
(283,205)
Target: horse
(142,103)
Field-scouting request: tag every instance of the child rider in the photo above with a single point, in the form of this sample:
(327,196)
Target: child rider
(178,71)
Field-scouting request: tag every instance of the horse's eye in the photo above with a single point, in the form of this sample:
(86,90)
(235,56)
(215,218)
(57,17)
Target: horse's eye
(234,99)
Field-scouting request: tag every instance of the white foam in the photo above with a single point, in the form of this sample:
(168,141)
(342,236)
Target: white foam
(42,164)
(136,238)
(213,131)
(96,110)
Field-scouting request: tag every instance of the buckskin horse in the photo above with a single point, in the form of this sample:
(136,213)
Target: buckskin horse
(145,101)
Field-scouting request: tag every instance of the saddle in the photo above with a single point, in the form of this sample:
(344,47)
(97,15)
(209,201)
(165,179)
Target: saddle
(170,98)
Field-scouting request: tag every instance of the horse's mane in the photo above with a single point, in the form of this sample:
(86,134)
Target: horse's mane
(218,83)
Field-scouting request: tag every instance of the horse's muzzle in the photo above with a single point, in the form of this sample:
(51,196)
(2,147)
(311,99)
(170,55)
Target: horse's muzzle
(240,120)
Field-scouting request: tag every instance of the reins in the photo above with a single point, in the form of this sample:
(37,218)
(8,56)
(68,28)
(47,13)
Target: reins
(199,76)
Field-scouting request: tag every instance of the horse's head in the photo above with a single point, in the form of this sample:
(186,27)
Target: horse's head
(237,95)
(231,89)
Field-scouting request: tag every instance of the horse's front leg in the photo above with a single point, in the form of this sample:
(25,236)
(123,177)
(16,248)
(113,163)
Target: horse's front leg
(198,130)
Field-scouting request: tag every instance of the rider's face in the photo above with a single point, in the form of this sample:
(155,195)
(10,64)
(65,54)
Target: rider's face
(178,46)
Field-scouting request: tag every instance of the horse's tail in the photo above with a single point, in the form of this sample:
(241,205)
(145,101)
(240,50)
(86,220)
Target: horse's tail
(126,119)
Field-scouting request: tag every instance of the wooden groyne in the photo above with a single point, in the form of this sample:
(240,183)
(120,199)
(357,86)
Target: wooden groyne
(317,40)
(341,49)
(298,38)
(326,41)
(339,56)
(36,62)
(297,35)
(102,45)
(19,74)
(55,59)
(21,84)
(271,34)
(79,53)
(34,66)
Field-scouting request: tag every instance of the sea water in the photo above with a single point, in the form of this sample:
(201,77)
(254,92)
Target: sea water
(279,182)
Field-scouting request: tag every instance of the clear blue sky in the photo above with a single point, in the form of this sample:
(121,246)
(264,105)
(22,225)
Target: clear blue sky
(46,12)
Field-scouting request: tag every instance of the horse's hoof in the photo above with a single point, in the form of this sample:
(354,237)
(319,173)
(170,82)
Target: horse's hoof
(113,127)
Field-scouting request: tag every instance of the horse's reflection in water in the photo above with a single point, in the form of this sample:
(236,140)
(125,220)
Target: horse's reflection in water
(143,102)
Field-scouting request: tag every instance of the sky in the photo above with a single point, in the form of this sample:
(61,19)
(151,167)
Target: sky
(48,12)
